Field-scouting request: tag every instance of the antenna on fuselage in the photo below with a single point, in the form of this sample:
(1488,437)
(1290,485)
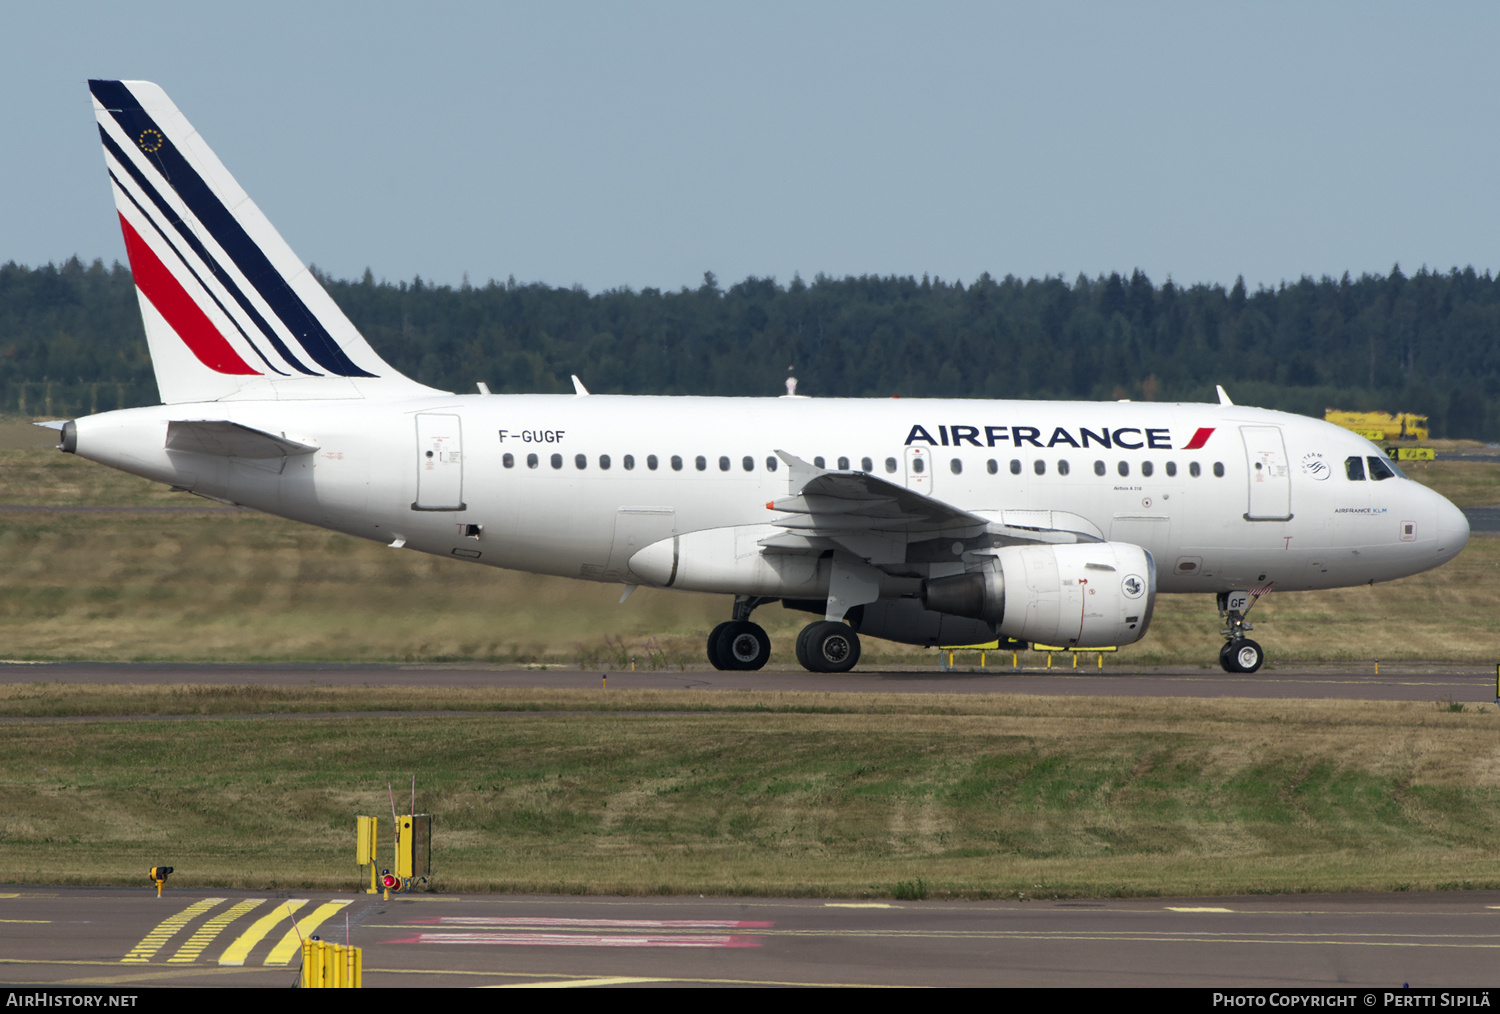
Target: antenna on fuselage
(1223,397)
(791,385)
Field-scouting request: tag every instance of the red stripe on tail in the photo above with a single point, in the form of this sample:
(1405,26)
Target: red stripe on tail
(178,308)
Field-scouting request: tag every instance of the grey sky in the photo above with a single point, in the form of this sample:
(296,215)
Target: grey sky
(640,144)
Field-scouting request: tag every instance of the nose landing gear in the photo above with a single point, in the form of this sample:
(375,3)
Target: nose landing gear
(1239,654)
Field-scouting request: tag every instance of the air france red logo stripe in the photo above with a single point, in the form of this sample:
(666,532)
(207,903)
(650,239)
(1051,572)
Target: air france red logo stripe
(1199,439)
(178,309)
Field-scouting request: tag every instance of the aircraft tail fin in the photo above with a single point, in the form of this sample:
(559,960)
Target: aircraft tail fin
(230,311)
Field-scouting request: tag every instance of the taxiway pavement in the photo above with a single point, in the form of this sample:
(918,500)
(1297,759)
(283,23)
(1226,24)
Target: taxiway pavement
(1406,681)
(119,937)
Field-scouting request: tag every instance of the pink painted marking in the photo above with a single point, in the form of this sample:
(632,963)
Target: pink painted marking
(580,940)
(506,920)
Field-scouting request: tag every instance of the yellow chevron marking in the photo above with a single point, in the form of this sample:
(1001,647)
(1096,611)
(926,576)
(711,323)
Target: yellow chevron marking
(153,941)
(206,933)
(237,952)
(291,944)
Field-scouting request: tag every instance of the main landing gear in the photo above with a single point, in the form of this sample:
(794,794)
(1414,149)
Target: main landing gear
(828,647)
(1239,654)
(738,644)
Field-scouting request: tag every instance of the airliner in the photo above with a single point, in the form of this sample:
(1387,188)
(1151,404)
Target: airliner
(930,522)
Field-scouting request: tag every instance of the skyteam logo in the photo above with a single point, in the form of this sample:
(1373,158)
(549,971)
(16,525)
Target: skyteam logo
(1130,438)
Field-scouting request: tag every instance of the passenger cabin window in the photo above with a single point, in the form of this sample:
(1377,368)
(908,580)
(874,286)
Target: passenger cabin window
(1039,467)
(676,463)
(651,462)
(1123,468)
(532,461)
(701,463)
(508,460)
(1194,469)
(748,463)
(557,461)
(1172,468)
(1063,468)
(1147,468)
(1218,469)
(724,463)
(919,465)
(819,462)
(1015,466)
(992,466)
(604,461)
(843,464)
(956,466)
(581,461)
(866,465)
(771,464)
(890,466)
(1099,468)
(628,461)
(1380,470)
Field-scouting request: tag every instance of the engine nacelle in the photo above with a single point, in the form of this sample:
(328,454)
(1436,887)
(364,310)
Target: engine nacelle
(1081,595)
(729,560)
(905,620)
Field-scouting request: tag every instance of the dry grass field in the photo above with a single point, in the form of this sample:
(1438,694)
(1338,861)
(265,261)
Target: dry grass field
(771,794)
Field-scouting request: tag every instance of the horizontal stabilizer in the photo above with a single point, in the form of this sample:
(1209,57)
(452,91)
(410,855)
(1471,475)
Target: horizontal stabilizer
(230,440)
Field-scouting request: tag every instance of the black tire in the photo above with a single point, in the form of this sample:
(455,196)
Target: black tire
(743,646)
(831,647)
(1246,656)
(802,648)
(1226,661)
(713,645)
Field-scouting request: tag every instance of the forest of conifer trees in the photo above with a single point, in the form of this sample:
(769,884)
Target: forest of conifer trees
(71,340)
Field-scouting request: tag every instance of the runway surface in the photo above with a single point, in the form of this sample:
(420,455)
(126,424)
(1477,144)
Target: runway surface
(1406,681)
(118,937)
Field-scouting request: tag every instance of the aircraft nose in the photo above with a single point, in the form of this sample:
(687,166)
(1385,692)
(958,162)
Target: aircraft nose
(1452,528)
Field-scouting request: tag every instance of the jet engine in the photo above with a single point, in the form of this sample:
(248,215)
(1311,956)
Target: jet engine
(1081,595)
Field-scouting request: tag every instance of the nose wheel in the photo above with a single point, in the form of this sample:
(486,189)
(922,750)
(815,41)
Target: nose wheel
(1242,656)
(1239,654)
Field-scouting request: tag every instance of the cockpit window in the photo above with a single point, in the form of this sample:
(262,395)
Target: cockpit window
(1354,468)
(1379,469)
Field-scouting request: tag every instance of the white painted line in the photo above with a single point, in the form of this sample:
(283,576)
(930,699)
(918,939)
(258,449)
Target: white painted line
(579,940)
(506,920)
(619,980)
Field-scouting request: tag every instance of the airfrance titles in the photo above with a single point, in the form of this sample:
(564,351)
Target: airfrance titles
(1127,437)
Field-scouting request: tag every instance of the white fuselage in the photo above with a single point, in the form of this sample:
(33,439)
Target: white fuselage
(1223,497)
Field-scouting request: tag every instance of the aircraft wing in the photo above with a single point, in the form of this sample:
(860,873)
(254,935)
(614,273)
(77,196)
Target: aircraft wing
(879,520)
(841,501)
